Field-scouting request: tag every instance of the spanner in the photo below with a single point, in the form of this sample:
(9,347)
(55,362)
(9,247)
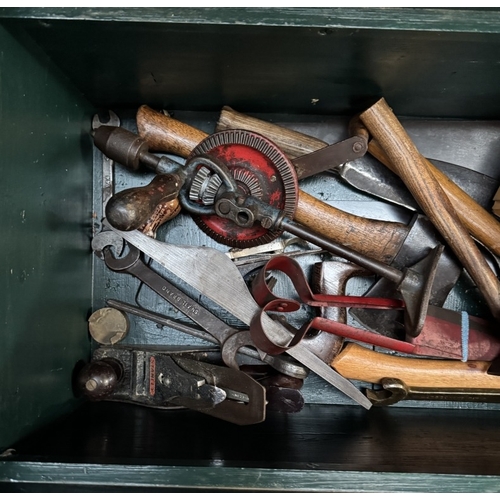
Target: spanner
(107,163)
(219,330)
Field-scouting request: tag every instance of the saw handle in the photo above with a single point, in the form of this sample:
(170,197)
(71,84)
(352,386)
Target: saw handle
(376,239)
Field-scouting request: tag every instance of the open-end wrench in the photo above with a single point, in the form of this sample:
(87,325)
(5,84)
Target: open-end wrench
(107,163)
(214,275)
(132,264)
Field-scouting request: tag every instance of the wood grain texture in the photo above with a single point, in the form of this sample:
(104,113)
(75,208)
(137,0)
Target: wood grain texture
(480,223)
(413,170)
(359,363)
(376,239)
(164,133)
(163,212)
(292,143)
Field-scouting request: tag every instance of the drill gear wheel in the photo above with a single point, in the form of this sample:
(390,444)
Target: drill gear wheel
(259,168)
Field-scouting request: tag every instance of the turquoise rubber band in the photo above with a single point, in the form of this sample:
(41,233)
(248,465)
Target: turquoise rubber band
(465,336)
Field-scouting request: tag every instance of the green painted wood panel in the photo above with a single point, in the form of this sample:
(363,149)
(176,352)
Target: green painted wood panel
(31,477)
(414,19)
(201,59)
(45,280)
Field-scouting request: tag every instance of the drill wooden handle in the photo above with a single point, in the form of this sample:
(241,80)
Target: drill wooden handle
(134,207)
(411,167)
(377,239)
(359,363)
(479,222)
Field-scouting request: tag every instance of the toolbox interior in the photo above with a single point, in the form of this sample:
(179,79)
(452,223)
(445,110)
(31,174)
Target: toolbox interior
(310,69)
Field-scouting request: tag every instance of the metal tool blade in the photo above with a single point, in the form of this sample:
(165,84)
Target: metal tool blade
(213,274)
(330,157)
(370,176)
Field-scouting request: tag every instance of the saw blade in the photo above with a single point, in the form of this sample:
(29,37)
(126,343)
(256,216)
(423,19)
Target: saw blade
(260,169)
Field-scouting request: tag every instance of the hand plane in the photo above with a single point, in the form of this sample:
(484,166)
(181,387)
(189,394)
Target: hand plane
(171,378)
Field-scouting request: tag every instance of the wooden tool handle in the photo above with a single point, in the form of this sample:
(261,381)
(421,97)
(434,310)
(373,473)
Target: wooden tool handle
(167,134)
(479,222)
(131,208)
(292,143)
(359,363)
(162,213)
(377,239)
(411,167)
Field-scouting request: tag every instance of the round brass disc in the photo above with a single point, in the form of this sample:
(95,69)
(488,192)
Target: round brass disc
(108,326)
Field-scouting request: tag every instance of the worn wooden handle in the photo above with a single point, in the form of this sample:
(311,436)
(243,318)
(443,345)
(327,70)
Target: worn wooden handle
(479,222)
(163,133)
(292,143)
(162,213)
(380,240)
(377,239)
(359,363)
(131,208)
(411,167)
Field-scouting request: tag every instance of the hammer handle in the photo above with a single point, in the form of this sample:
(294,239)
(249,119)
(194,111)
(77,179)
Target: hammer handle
(359,363)
(409,164)
(479,222)
(376,239)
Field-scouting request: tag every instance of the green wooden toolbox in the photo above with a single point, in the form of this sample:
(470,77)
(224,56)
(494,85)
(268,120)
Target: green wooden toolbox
(310,69)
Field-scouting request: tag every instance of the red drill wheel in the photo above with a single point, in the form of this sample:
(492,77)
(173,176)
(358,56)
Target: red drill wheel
(260,169)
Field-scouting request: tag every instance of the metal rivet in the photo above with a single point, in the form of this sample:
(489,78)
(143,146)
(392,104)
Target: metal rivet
(357,147)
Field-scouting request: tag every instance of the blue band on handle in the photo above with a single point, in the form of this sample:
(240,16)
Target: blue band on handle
(465,336)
